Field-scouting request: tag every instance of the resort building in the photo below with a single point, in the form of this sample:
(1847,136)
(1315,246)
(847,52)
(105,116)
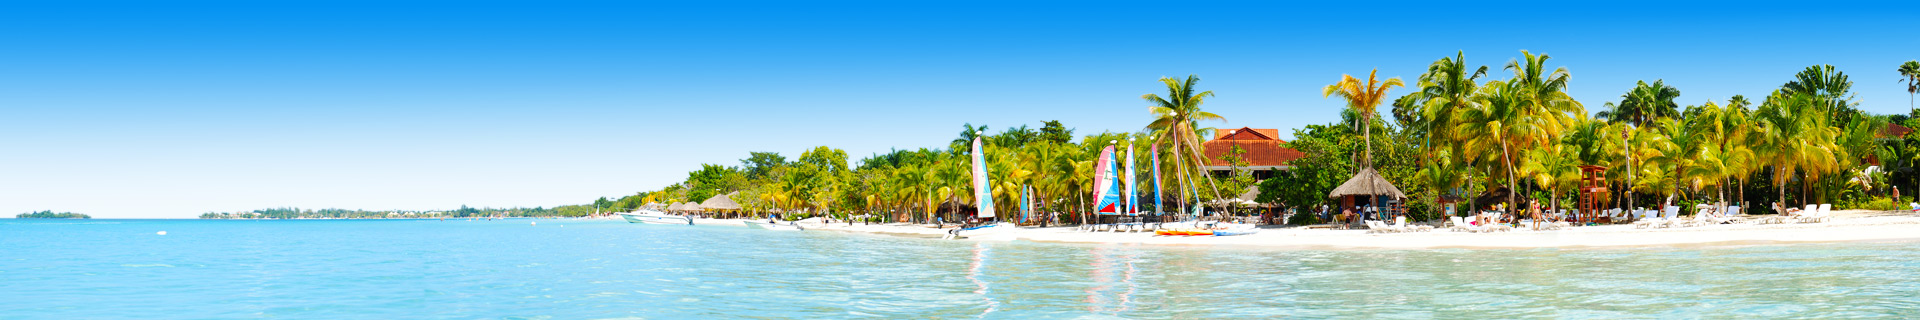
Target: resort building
(1264,153)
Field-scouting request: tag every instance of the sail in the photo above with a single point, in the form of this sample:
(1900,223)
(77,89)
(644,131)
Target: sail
(1133,199)
(1026,204)
(982,194)
(1106,191)
(1156,177)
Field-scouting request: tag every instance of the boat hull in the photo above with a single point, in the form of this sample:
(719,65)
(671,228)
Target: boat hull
(657,219)
(773,226)
(978,231)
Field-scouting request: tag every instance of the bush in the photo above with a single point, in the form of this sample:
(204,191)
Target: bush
(1304,218)
(1882,204)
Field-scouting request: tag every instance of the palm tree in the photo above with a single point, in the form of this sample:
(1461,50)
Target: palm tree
(1363,97)
(1644,104)
(967,133)
(1910,73)
(1174,122)
(1553,168)
(1794,134)
(1498,124)
(1545,92)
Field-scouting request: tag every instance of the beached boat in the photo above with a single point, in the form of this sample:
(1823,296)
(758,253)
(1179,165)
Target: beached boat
(649,216)
(979,230)
(780,226)
(983,198)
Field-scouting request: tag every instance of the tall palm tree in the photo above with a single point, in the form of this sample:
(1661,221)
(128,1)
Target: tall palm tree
(1499,125)
(1554,168)
(1644,104)
(1910,73)
(1793,135)
(1447,87)
(1363,97)
(1545,92)
(1175,118)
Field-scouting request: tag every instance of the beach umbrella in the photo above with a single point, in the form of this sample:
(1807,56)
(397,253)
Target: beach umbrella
(721,202)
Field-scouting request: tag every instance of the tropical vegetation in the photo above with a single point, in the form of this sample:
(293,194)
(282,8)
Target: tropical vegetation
(49,214)
(1459,134)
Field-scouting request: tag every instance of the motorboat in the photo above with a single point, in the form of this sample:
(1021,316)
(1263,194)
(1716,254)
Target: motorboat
(780,226)
(649,216)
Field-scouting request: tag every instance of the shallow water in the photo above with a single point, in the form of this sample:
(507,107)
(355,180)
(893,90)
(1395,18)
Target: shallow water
(572,269)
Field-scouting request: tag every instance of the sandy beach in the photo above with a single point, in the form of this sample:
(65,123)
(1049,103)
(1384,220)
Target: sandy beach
(1848,225)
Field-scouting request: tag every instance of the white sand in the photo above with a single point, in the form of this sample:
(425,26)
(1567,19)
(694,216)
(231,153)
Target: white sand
(1850,225)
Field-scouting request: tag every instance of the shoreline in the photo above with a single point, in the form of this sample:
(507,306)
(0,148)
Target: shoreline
(1846,226)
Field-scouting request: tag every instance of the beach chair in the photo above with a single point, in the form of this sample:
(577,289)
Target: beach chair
(1374,226)
(1460,225)
(1648,222)
(1819,214)
(1400,223)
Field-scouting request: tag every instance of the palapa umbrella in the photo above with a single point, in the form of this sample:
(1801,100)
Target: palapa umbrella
(721,202)
(1367,183)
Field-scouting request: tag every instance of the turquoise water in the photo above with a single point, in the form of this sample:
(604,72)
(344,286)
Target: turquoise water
(571,269)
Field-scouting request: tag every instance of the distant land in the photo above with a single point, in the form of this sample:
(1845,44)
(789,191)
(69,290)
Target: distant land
(49,214)
(462,212)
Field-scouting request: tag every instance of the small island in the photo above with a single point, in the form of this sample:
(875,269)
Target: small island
(49,214)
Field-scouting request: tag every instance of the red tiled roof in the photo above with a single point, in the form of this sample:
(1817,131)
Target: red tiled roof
(1895,130)
(1245,133)
(1263,147)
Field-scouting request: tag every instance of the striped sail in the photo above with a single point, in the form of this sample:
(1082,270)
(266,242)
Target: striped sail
(1156,177)
(1026,202)
(982,193)
(1133,199)
(1106,191)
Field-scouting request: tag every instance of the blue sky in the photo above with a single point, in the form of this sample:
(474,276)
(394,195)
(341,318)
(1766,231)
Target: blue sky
(157,110)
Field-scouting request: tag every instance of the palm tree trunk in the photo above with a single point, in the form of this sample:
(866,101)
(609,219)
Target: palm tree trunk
(1367,126)
(1508,157)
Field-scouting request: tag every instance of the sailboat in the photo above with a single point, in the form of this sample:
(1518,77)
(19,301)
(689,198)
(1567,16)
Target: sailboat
(983,198)
(1106,187)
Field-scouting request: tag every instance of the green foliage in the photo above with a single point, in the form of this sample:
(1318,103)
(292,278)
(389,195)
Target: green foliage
(49,214)
(462,212)
(1304,218)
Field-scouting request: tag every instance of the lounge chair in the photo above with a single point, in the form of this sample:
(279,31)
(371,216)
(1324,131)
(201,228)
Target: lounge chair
(1460,225)
(1400,223)
(1821,213)
(1383,227)
(1649,222)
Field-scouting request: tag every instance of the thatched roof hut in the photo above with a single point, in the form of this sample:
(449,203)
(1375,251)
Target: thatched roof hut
(721,202)
(1367,182)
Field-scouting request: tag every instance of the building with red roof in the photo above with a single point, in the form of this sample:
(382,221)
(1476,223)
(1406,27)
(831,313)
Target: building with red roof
(1265,152)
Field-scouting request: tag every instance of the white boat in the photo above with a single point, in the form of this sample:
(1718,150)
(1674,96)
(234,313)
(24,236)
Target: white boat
(983,201)
(649,216)
(978,231)
(781,226)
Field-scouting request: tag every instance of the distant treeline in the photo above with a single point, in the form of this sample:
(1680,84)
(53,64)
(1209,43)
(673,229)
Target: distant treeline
(49,214)
(463,212)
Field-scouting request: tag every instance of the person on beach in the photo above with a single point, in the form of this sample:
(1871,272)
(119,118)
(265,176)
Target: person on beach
(1533,210)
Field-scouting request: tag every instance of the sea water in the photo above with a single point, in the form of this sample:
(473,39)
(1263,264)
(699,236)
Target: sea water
(577,269)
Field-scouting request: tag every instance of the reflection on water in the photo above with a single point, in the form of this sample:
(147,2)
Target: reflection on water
(505,269)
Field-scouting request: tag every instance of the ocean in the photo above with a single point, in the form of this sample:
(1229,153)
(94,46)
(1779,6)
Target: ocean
(580,269)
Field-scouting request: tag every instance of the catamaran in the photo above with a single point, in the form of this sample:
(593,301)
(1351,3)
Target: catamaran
(983,198)
(650,216)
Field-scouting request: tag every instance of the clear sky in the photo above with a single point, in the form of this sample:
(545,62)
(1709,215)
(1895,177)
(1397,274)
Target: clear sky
(168,110)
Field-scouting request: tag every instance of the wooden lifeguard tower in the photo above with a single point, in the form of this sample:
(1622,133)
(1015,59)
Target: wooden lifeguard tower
(1593,191)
